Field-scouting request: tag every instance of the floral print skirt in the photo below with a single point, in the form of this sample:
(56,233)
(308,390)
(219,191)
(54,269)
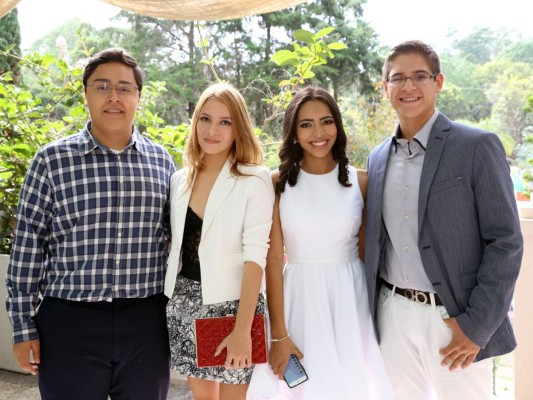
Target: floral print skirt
(183,308)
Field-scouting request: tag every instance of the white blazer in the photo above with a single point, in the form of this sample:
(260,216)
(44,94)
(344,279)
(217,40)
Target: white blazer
(235,229)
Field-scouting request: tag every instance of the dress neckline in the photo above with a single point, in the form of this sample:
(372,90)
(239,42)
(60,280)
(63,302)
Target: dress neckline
(334,170)
(194,213)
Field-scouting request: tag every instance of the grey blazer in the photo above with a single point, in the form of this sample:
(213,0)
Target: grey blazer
(469,231)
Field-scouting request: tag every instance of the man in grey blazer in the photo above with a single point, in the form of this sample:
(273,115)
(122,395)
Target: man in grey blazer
(443,240)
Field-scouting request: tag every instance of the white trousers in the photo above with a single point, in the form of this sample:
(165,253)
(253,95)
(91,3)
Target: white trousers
(411,336)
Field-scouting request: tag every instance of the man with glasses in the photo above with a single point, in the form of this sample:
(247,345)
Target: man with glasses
(90,251)
(443,241)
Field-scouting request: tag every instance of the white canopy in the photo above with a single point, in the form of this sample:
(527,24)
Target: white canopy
(197,10)
(6,6)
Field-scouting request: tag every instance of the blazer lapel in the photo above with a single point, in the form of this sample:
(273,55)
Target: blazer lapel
(180,201)
(220,191)
(379,176)
(435,147)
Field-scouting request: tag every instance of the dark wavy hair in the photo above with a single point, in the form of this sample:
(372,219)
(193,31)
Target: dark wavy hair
(291,153)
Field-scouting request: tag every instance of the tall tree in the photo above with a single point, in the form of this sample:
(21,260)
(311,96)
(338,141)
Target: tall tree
(483,44)
(464,93)
(10,36)
(520,50)
(167,50)
(508,94)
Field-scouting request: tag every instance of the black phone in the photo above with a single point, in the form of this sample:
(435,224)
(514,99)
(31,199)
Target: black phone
(294,373)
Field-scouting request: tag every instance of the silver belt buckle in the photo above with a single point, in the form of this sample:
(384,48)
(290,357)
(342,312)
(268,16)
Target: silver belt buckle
(416,296)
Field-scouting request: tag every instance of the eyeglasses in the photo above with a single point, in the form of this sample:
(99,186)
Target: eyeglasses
(106,87)
(421,78)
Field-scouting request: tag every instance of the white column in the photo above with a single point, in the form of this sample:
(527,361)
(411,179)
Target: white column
(7,360)
(523,321)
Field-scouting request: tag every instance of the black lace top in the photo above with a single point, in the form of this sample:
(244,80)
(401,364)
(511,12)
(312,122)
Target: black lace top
(192,232)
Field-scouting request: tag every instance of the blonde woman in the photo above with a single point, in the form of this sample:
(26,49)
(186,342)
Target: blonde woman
(221,214)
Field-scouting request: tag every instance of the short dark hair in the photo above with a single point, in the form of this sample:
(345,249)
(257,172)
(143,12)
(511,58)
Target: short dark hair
(412,47)
(291,153)
(113,55)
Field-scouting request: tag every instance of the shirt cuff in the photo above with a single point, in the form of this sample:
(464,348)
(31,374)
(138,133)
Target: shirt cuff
(25,332)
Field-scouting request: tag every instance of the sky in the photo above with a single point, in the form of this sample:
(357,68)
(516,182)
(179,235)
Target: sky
(393,20)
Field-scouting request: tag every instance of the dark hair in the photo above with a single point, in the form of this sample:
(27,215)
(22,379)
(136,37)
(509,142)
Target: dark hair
(113,55)
(412,47)
(291,153)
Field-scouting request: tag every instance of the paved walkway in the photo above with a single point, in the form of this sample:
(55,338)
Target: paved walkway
(14,386)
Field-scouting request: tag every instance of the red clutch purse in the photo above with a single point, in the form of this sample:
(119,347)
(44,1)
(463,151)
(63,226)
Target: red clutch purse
(210,332)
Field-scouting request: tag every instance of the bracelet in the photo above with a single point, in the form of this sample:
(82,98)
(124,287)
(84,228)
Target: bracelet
(280,339)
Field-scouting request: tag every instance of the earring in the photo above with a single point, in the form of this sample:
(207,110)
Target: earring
(295,141)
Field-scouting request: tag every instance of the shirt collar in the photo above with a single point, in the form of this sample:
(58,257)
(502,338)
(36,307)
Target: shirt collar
(421,137)
(87,142)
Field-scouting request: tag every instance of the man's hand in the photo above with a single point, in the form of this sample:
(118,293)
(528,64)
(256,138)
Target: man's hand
(461,351)
(23,352)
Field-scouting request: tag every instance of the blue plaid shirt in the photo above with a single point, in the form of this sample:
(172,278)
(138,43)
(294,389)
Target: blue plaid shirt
(92,225)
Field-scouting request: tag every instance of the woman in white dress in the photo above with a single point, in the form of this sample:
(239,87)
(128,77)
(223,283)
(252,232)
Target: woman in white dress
(316,290)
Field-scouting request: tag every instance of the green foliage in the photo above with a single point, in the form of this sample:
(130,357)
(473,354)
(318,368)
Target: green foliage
(519,51)
(527,176)
(315,50)
(27,123)
(303,59)
(508,142)
(488,124)
(488,80)
(463,95)
(451,101)
(24,128)
(366,123)
(507,94)
(528,139)
(528,107)
(483,44)
(357,67)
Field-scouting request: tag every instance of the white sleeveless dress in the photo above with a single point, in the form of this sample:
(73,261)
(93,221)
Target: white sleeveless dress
(325,296)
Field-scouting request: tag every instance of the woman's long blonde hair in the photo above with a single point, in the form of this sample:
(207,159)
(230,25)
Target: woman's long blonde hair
(245,150)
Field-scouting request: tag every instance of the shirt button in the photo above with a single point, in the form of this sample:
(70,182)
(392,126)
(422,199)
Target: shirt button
(406,217)
(406,248)
(406,188)
(408,279)
(117,262)
(119,234)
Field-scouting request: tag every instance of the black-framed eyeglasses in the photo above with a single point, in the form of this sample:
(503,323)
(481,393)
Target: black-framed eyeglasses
(123,88)
(422,78)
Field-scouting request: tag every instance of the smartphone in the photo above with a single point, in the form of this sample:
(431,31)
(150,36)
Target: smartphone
(294,373)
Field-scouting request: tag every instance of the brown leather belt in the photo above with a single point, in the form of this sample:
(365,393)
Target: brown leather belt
(417,296)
